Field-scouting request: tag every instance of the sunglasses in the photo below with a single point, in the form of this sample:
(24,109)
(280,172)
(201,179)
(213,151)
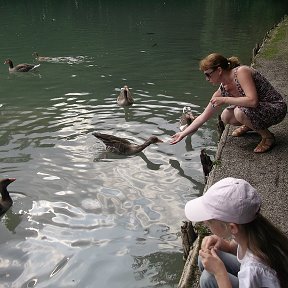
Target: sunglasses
(208,74)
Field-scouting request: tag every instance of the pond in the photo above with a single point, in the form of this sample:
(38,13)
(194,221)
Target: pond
(82,216)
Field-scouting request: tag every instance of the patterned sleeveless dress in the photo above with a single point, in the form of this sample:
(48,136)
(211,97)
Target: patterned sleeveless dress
(271,109)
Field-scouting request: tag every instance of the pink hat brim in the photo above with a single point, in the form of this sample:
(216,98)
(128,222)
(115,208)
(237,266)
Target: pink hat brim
(196,210)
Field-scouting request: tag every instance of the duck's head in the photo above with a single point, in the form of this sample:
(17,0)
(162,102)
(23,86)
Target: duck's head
(154,139)
(6,181)
(125,89)
(187,109)
(8,61)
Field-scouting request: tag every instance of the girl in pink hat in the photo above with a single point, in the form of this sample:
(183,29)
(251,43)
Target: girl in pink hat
(245,250)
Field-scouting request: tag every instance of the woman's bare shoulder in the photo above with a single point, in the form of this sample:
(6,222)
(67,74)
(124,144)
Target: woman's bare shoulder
(245,72)
(244,69)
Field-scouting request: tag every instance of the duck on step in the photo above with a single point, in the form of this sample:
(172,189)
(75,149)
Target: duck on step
(6,201)
(123,146)
(20,67)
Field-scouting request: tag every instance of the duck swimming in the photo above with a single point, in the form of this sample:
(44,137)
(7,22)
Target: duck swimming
(6,201)
(123,146)
(20,67)
(186,118)
(125,97)
(41,58)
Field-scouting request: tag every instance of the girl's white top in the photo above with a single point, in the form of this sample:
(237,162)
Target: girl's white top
(254,273)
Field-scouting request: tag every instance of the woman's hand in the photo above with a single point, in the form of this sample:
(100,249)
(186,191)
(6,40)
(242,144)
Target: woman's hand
(217,101)
(177,138)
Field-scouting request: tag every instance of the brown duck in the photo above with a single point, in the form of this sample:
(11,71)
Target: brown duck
(41,58)
(20,67)
(125,97)
(123,146)
(6,201)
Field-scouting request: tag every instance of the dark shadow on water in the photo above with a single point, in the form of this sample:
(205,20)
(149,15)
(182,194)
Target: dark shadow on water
(128,113)
(11,220)
(188,143)
(106,156)
(150,164)
(175,164)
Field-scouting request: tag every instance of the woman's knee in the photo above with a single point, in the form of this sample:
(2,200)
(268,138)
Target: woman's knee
(227,116)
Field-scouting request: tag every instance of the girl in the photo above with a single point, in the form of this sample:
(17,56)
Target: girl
(246,250)
(254,104)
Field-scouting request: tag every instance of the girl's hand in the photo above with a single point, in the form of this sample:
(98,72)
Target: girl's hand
(211,241)
(176,138)
(212,263)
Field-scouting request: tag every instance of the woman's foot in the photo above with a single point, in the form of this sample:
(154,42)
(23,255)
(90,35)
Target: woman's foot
(266,144)
(241,131)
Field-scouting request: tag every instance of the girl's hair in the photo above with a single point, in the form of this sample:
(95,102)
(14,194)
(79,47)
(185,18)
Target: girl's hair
(215,60)
(269,244)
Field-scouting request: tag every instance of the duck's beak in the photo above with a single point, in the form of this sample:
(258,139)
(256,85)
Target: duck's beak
(12,179)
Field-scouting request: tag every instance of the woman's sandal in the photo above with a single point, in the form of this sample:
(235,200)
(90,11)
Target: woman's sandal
(265,145)
(241,131)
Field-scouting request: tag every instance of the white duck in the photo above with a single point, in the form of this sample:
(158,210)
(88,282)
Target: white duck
(186,118)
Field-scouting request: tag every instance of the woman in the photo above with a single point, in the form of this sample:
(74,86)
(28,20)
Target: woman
(254,104)
(246,250)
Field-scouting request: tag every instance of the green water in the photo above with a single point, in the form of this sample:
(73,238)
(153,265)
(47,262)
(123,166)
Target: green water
(83,217)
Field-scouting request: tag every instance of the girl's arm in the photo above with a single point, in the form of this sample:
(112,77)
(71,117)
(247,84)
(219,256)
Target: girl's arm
(214,265)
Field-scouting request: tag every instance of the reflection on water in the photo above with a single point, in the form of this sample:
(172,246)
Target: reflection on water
(82,215)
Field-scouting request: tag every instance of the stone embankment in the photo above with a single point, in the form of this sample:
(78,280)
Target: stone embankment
(268,171)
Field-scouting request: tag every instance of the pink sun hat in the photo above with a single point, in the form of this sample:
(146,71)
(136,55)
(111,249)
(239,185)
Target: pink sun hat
(230,200)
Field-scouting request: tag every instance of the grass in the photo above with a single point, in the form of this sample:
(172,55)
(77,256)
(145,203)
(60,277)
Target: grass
(272,44)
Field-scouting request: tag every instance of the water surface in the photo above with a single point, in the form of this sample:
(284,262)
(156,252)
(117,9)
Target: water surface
(83,217)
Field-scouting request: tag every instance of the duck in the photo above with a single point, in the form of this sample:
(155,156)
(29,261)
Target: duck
(6,201)
(186,118)
(20,67)
(207,163)
(41,58)
(125,98)
(123,146)
(220,127)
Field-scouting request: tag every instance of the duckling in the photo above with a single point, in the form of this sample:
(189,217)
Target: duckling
(41,58)
(123,146)
(6,201)
(125,97)
(20,67)
(186,118)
